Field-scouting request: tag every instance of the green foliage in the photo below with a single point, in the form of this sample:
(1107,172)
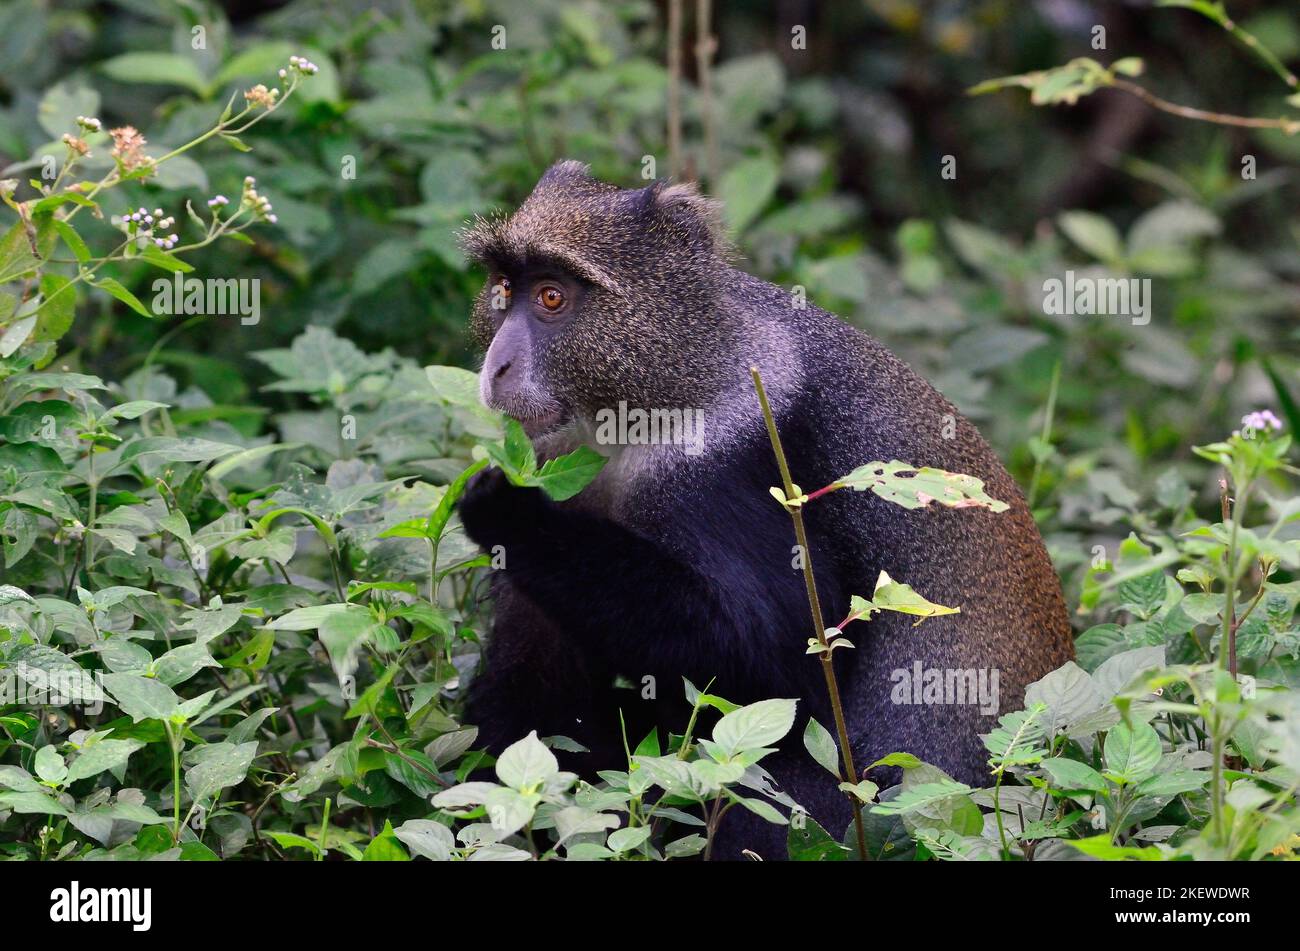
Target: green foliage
(237,611)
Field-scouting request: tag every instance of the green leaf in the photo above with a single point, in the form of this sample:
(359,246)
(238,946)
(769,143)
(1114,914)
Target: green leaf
(99,755)
(166,69)
(16,257)
(1132,752)
(312,617)
(891,595)
(915,487)
(59,305)
(427,839)
(344,633)
(1101,847)
(291,840)
(1018,740)
(624,840)
(172,449)
(121,293)
(526,764)
(168,262)
(1094,234)
(142,698)
(901,760)
(442,512)
(18,779)
(218,766)
(821,746)
(1071,775)
(73,240)
(49,765)
(1174,782)
(745,190)
(60,106)
(565,476)
(385,847)
(754,726)
(921,797)
(33,803)
(519,454)
(134,409)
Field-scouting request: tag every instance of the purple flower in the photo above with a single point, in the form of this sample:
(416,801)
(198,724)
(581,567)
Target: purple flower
(1262,420)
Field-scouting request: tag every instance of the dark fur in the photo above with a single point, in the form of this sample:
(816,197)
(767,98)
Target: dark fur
(684,567)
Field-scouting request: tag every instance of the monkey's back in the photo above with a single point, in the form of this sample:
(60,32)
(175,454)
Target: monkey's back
(856,402)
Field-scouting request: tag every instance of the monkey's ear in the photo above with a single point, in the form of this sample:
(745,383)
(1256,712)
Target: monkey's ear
(697,216)
(565,172)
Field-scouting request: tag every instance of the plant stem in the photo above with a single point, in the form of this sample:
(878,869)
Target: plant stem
(706,45)
(324,825)
(814,604)
(176,781)
(674,87)
(1288,126)
(1233,510)
(93,486)
(1217,13)
(1045,435)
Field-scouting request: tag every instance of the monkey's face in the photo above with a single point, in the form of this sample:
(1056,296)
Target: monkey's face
(597,296)
(522,317)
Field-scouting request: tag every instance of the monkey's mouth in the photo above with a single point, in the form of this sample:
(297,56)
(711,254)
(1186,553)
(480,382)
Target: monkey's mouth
(548,422)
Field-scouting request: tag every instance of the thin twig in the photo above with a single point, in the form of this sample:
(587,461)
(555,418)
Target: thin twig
(675,87)
(1289,126)
(815,607)
(706,45)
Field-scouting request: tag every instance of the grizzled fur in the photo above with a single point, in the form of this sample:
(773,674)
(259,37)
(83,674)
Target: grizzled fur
(674,564)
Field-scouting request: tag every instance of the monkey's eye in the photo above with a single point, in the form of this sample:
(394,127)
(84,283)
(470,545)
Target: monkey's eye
(551,298)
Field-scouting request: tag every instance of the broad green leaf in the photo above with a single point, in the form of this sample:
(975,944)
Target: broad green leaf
(217,766)
(756,725)
(1132,752)
(115,288)
(891,595)
(142,698)
(921,797)
(745,190)
(33,803)
(624,840)
(62,103)
(526,764)
(385,847)
(1101,847)
(565,476)
(1094,234)
(100,755)
(1071,775)
(49,765)
(168,69)
(821,746)
(915,487)
(427,839)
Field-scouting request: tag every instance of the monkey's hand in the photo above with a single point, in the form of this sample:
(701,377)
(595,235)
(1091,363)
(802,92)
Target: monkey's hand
(495,512)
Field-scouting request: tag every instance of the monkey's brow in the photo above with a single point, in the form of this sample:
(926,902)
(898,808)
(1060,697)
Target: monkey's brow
(535,259)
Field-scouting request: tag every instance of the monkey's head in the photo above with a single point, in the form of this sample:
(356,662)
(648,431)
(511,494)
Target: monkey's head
(597,295)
